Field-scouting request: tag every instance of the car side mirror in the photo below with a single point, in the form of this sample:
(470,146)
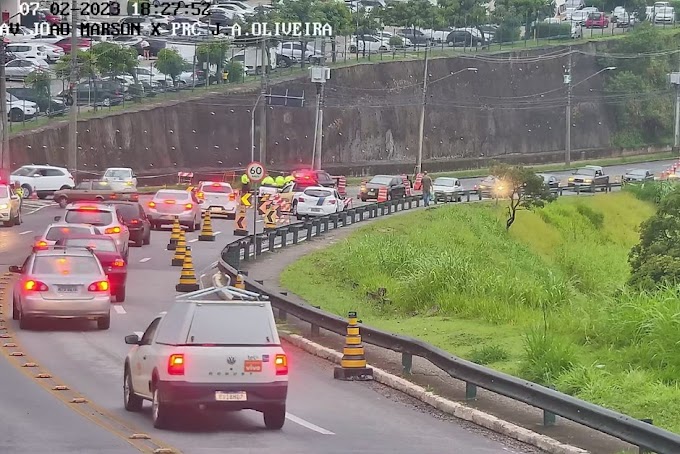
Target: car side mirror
(15,269)
(132,339)
(57,218)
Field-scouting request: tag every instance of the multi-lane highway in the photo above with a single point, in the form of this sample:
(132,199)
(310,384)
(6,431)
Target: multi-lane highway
(325,415)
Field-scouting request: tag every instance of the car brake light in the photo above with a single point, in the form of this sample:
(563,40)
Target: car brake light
(189,206)
(134,221)
(200,195)
(216,185)
(41,245)
(99,286)
(232,196)
(112,230)
(35,286)
(176,364)
(301,199)
(152,204)
(170,202)
(281,363)
(118,263)
(113,196)
(87,208)
(331,201)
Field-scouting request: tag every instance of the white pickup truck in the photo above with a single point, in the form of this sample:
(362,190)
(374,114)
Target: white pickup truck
(208,355)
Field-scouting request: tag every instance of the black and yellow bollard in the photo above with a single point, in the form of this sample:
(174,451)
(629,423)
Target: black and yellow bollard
(174,236)
(207,231)
(187,278)
(239,283)
(353,363)
(180,250)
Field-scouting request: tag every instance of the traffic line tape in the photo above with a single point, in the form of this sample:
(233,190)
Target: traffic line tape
(217,233)
(119,309)
(192,241)
(26,232)
(308,424)
(145,259)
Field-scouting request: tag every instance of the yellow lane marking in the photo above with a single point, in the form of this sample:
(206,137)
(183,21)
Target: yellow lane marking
(71,398)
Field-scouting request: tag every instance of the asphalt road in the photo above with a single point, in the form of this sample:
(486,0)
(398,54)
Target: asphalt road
(325,415)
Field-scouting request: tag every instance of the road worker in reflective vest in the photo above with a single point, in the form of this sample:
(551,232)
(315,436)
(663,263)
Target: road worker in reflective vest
(289,179)
(245,184)
(268,181)
(280,181)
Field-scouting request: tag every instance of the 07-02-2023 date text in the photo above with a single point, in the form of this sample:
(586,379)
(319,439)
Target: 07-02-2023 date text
(114,8)
(86,9)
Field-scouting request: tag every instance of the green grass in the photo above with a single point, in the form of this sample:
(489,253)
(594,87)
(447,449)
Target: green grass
(545,301)
(484,171)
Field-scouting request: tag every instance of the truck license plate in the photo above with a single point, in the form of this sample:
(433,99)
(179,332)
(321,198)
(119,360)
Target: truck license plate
(231,397)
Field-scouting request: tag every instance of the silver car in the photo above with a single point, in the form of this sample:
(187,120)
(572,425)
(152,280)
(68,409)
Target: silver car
(447,189)
(104,217)
(57,231)
(168,203)
(61,282)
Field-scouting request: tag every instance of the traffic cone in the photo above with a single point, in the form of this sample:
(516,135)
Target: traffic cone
(207,231)
(353,362)
(174,236)
(239,282)
(34,195)
(180,250)
(187,278)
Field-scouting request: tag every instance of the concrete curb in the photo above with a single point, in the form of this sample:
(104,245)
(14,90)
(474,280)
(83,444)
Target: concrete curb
(447,406)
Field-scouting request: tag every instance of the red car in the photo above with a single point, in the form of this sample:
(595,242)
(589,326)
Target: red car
(104,248)
(309,177)
(597,20)
(83,44)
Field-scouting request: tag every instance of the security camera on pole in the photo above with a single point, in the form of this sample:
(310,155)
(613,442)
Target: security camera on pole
(319,75)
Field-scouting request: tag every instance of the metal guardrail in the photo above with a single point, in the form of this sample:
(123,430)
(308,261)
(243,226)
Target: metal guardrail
(639,433)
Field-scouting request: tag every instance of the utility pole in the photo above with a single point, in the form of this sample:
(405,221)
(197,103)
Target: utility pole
(5,160)
(264,83)
(567,138)
(676,138)
(319,123)
(73,123)
(421,126)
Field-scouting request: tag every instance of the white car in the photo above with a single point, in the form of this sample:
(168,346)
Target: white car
(10,206)
(105,217)
(319,201)
(53,52)
(19,69)
(447,189)
(241,7)
(121,178)
(28,51)
(228,10)
(22,34)
(150,75)
(218,198)
(369,43)
(618,13)
(579,17)
(20,109)
(208,355)
(60,230)
(44,179)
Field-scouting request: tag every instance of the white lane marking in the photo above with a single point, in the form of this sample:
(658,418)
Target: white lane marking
(145,259)
(308,424)
(193,241)
(259,220)
(119,309)
(26,232)
(217,233)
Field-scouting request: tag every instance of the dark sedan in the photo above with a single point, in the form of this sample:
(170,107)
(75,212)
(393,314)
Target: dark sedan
(393,184)
(136,221)
(638,176)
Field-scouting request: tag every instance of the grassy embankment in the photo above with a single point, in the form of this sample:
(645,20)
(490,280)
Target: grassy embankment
(456,279)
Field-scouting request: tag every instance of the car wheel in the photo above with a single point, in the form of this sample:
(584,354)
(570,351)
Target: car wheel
(160,413)
(120,294)
(16,115)
(25,191)
(147,239)
(24,322)
(15,310)
(63,201)
(274,417)
(132,401)
(295,209)
(106,102)
(191,226)
(104,323)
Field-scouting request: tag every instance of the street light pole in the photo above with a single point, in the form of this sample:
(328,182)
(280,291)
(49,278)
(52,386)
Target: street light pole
(252,128)
(5,160)
(73,123)
(421,126)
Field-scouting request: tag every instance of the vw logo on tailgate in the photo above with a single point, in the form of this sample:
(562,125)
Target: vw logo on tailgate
(231,360)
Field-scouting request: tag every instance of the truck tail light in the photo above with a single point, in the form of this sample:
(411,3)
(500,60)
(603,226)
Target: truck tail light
(112,230)
(281,364)
(176,364)
(35,286)
(99,286)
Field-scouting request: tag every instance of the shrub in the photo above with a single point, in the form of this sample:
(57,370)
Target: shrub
(546,356)
(488,354)
(550,30)
(508,31)
(396,41)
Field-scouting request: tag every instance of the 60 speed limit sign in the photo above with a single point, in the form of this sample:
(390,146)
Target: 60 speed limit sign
(256,171)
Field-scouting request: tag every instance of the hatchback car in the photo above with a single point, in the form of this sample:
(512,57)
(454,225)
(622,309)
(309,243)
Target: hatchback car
(170,203)
(318,201)
(597,20)
(136,221)
(63,283)
(106,251)
(218,198)
(121,179)
(10,206)
(57,231)
(106,218)
(43,178)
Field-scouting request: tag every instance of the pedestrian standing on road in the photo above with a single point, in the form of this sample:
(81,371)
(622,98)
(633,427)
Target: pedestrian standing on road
(427,188)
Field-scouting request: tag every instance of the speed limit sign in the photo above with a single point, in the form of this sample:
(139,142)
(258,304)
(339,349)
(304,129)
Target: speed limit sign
(255,171)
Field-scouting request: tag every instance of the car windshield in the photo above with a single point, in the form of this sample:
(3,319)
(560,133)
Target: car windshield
(450,182)
(92,217)
(587,172)
(118,173)
(318,193)
(4,193)
(57,233)
(217,188)
(105,244)
(638,172)
(23,171)
(595,16)
(236,325)
(172,195)
(128,211)
(489,180)
(65,265)
(381,180)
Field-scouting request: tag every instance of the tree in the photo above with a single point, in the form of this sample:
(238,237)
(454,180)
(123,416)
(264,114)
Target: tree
(461,13)
(339,17)
(298,11)
(655,260)
(213,53)
(112,59)
(525,189)
(86,66)
(40,82)
(170,63)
